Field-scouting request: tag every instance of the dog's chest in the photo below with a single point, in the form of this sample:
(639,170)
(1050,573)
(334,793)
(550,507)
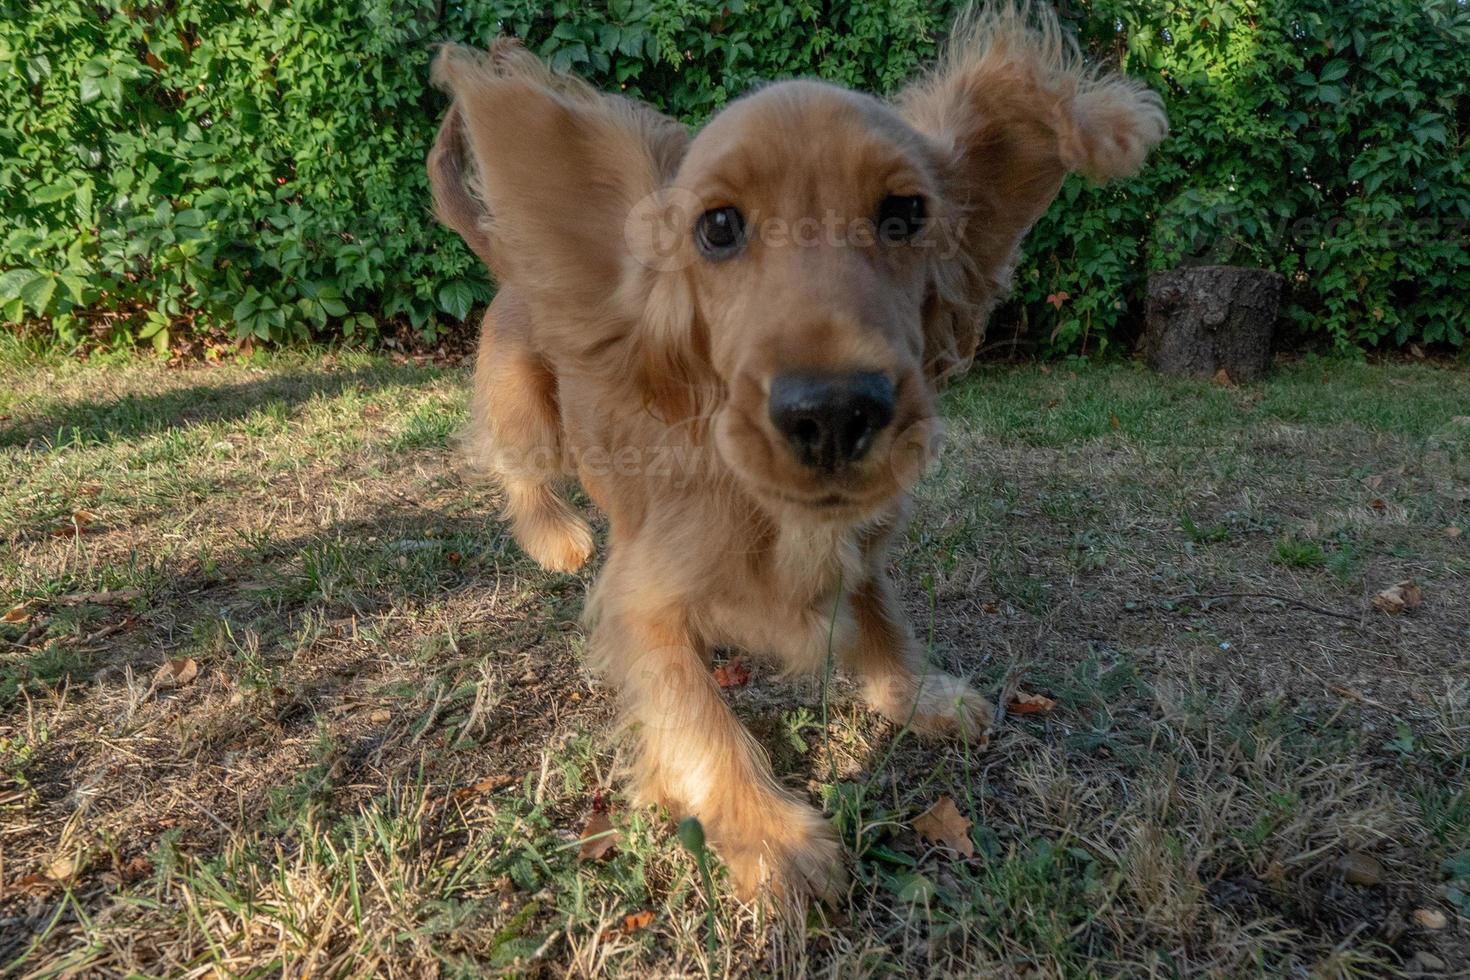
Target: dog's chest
(810,563)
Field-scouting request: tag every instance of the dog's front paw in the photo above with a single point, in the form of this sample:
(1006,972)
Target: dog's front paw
(937,703)
(790,850)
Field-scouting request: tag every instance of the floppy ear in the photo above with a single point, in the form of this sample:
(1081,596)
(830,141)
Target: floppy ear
(1012,110)
(557,169)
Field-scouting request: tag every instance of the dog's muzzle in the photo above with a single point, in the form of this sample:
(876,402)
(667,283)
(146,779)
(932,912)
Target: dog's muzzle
(831,419)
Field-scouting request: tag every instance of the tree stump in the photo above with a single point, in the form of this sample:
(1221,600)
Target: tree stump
(1203,319)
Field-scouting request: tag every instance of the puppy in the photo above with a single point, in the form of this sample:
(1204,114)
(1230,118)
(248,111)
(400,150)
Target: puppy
(732,339)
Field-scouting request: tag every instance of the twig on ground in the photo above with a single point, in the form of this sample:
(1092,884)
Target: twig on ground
(1201,597)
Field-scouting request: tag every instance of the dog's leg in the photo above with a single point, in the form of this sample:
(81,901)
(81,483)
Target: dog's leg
(515,435)
(897,681)
(694,757)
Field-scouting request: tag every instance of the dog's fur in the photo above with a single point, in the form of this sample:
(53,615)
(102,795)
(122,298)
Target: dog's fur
(616,354)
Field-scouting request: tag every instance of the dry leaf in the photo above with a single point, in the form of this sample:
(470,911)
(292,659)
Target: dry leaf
(1452,532)
(487,785)
(943,824)
(1222,378)
(32,885)
(1030,704)
(1431,918)
(83,517)
(732,674)
(1398,598)
(637,922)
(1377,503)
(1360,869)
(381,715)
(62,868)
(136,868)
(16,614)
(1373,482)
(176,673)
(599,838)
(1115,422)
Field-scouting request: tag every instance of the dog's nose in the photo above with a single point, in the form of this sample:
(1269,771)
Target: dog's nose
(830,420)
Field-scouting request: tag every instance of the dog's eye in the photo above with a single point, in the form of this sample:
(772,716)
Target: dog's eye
(720,232)
(900,218)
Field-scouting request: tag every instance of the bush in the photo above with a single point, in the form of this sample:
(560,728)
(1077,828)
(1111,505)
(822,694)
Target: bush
(255,168)
(1324,140)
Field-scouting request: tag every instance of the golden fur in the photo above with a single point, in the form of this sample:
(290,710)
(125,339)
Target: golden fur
(616,354)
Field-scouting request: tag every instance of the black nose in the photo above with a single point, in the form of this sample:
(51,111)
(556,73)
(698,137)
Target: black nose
(830,420)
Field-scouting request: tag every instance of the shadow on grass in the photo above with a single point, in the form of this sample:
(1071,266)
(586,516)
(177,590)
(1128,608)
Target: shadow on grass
(358,570)
(107,420)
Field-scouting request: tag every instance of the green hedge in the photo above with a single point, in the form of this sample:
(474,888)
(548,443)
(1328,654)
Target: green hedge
(255,168)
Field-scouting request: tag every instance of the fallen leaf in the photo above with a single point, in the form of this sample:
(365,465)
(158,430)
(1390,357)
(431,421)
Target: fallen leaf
(1115,422)
(943,824)
(176,673)
(1398,598)
(733,673)
(598,837)
(16,614)
(487,785)
(636,922)
(32,885)
(990,608)
(1360,869)
(1373,482)
(83,517)
(1430,918)
(62,868)
(1030,704)
(380,715)
(1222,378)
(136,868)
(1452,532)
(1377,503)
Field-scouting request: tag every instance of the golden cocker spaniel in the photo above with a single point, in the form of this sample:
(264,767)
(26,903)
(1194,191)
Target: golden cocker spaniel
(733,338)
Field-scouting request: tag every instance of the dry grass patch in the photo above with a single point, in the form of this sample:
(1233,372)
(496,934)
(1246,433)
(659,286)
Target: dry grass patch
(386,750)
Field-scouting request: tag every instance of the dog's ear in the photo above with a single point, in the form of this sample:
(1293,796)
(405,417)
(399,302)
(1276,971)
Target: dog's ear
(557,169)
(1011,110)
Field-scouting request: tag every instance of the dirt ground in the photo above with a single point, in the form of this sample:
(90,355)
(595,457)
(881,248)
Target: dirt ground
(279,695)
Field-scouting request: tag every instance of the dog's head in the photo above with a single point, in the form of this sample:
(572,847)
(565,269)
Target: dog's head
(800,274)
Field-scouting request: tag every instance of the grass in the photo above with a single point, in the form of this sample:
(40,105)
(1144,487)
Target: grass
(391,749)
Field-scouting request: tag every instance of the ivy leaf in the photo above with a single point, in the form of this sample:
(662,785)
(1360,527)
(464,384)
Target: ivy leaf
(37,293)
(455,298)
(14,281)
